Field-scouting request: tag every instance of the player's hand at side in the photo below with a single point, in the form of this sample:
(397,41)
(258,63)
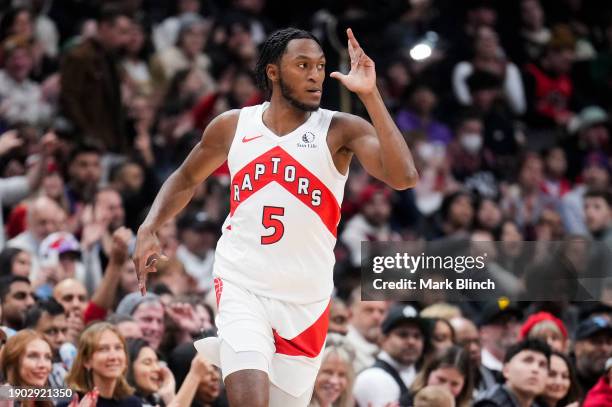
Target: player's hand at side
(361,79)
(146,256)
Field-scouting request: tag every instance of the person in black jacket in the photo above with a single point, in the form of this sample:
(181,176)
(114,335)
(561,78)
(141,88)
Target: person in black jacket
(403,346)
(526,371)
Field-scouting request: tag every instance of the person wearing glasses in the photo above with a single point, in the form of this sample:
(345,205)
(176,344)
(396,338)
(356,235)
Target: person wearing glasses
(49,319)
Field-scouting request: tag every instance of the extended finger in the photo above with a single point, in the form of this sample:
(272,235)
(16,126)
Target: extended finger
(141,276)
(136,260)
(351,50)
(352,39)
(143,287)
(357,57)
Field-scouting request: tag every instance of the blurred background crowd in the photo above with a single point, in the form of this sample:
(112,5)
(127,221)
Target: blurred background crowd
(506,107)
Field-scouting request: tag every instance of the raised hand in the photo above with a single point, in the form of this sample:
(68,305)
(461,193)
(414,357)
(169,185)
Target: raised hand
(184,316)
(76,325)
(200,366)
(49,143)
(120,245)
(93,229)
(362,77)
(167,390)
(9,140)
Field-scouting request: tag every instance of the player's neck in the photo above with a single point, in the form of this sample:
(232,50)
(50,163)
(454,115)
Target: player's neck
(282,117)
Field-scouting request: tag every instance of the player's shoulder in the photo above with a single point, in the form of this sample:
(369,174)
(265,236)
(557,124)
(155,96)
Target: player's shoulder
(347,123)
(347,119)
(226,121)
(220,131)
(228,117)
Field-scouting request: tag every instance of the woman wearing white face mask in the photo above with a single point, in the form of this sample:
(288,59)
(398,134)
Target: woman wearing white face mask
(432,163)
(466,151)
(472,163)
(471,142)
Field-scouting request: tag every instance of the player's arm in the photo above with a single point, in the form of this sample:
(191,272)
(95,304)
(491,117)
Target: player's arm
(178,189)
(380,147)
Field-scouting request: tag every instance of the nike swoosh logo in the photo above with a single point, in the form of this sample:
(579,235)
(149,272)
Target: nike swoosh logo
(246,140)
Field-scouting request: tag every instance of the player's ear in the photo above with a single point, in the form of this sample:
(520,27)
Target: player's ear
(272,72)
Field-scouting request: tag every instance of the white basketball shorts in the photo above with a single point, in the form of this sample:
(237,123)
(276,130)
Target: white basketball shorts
(290,336)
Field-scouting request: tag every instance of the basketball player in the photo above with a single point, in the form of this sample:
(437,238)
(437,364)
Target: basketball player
(288,161)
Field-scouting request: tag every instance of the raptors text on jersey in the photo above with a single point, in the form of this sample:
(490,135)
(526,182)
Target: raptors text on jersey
(285,198)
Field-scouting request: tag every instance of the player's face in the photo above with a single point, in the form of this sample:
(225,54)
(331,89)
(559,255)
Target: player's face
(301,74)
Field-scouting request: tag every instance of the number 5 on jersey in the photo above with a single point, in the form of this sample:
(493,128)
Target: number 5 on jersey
(270,220)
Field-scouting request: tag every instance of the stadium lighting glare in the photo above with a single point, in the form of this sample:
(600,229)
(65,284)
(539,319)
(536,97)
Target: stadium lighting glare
(423,49)
(420,52)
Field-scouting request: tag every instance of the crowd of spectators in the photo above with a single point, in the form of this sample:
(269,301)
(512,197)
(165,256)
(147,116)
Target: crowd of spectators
(505,105)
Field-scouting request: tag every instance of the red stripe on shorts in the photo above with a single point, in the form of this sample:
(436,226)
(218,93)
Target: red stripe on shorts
(218,289)
(308,343)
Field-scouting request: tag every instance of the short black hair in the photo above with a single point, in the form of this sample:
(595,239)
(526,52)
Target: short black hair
(133,348)
(84,148)
(273,49)
(466,116)
(7,281)
(108,13)
(450,199)
(478,4)
(532,344)
(605,194)
(7,256)
(50,306)
(8,19)
(117,168)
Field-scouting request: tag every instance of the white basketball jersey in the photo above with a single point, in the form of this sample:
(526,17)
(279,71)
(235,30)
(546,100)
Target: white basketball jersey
(286,193)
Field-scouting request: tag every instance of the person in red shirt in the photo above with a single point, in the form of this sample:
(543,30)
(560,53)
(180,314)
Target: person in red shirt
(601,393)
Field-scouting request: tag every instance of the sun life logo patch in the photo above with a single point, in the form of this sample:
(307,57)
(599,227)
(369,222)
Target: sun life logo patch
(307,140)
